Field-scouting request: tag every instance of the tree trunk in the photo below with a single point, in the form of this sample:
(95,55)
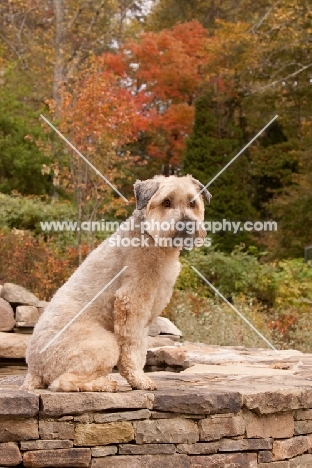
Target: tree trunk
(58,72)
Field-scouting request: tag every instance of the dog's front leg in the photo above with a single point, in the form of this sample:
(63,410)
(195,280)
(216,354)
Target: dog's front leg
(130,328)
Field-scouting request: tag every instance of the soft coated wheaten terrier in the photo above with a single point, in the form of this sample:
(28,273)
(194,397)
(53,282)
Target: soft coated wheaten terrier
(113,330)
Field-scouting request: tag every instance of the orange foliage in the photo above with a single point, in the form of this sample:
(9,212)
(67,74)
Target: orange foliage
(97,116)
(164,73)
(146,91)
(37,265)
(98,112)
(283,324)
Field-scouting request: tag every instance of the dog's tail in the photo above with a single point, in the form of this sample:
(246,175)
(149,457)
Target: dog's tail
(31,382)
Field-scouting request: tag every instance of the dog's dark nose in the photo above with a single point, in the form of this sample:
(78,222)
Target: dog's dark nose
(186,223)
(185,228)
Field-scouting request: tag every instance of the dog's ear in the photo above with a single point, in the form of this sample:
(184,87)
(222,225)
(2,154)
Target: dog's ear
(207,195)
(143,191)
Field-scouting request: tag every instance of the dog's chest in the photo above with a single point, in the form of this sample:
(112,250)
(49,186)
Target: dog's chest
(164,288)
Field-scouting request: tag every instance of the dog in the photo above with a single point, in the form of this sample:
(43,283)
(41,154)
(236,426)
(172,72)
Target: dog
(113,330)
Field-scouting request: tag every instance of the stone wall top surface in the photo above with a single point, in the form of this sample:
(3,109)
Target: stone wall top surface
(215,380)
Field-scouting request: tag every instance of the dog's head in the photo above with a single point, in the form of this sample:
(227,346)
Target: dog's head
(172,206)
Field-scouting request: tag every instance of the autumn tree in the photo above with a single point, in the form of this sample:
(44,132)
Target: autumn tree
(167,13)
(43,46)
(164,72)
(54,38)
(266,69)
(108,112)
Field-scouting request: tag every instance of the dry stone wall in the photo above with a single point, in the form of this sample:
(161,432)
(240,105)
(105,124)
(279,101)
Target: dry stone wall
(229,407)
(189,422)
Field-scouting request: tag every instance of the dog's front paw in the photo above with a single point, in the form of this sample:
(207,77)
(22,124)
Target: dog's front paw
(142,382)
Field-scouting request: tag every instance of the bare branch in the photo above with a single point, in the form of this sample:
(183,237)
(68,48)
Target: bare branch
(259,23)
(58,72)
(282,79)
(77,54)
(14,49)
(75,16)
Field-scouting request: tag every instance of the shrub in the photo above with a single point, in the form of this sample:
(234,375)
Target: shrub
(37,265)
(26,213)
(241,273)
(213,322)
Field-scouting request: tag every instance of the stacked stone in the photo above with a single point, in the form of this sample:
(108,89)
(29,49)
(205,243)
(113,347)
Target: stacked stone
(21,308)
(19,312)
(184,427)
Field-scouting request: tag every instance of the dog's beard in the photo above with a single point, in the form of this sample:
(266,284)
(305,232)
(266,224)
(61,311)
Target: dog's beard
(193,235)
(191,240)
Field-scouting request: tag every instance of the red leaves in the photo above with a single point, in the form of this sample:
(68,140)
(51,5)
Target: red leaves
(166,79)
(35,264)
(99,112)
(169,63)
(149,86)
(283,324)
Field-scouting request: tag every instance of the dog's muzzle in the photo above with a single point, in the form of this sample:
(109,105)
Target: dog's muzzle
(186,229)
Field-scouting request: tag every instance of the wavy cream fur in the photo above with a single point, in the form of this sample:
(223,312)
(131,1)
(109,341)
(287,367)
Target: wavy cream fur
(113,329)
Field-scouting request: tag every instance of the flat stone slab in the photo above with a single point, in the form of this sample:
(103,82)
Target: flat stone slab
(197,402)
(190,354)
(216,380)
(142,461)
(75,458)
(57,404)
(14,430)
(179,431)
(46,444)
(226,369)
(103,434)
(10,454)
(18,403)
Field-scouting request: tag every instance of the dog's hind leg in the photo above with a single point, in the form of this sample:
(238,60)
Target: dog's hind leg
(70,382)
(89,364)
(31,382)
(101,384)
(66,382)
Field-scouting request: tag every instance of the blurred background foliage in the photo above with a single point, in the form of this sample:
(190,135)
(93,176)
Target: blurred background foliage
(171,87)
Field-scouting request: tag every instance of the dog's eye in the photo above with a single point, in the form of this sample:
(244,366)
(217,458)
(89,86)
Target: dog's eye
(192,204)
(167,203)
